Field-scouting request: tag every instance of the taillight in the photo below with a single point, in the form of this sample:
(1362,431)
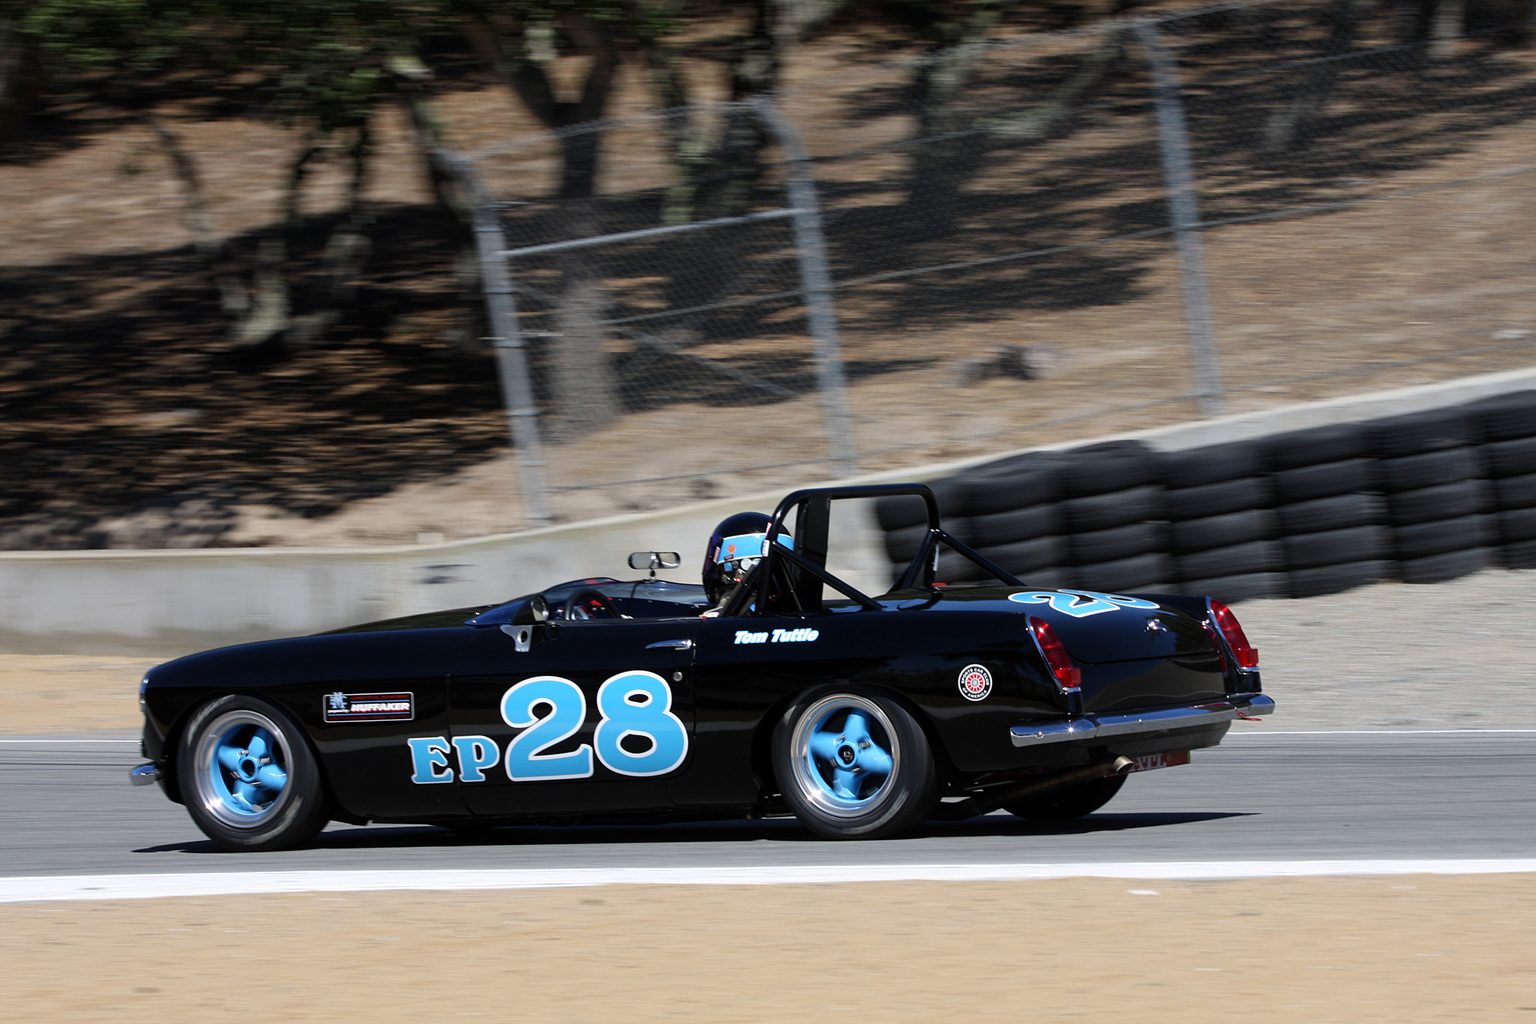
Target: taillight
(1246,654)
(1215,638)
(1068,676)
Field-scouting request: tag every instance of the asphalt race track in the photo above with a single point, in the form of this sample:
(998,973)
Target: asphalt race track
(1265,794)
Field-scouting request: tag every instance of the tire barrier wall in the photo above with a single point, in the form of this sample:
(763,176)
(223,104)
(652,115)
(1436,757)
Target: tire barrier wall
(1421,497)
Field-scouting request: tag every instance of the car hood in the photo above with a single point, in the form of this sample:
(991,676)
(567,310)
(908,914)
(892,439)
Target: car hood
(427,620)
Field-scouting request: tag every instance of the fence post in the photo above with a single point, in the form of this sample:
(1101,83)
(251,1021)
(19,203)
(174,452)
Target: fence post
(507,337)
(816,279)
(1173,144)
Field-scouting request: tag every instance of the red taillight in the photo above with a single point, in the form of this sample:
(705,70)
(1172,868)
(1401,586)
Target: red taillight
(1215,638)
(1246,654)
(1068,676)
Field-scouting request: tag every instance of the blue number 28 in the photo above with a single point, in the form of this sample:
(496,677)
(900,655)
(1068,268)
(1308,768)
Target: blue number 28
(635,706)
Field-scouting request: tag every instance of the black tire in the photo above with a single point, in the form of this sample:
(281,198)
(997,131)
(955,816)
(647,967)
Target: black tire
(1515,492)
(1339,512)
(1324,480)
(1248,587)
(1504,417)
(1110,466)
(1220,499)
(901,543)
(1430,470)
(1118,508)
(1195,467)
(228,784)
(908,510)
(1126,575)
(1033,478)
(1448,501)
(1314,446)
(1258,556)
(1028,556)
(1117,542)
(1074,801)
(1336,547)
(1448,565)
(810,743)
(1222,531)
(956,568)
(1436,538)
(1511,458)
(1415,433)
(1018,524)
(1516,525)
(1333,579)
(1519,555)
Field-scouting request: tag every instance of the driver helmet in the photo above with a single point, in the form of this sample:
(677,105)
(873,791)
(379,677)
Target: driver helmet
(738,544)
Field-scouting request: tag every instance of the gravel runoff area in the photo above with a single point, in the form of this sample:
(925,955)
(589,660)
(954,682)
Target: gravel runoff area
(1350,950)
(1454,655)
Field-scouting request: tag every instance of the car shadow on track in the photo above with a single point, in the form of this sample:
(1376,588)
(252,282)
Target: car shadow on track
(778,830)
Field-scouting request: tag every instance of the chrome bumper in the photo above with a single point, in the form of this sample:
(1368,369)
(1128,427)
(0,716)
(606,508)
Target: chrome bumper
(144,775)
(1144,723)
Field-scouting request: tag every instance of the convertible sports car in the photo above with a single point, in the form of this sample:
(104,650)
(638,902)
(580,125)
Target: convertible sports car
(646,700)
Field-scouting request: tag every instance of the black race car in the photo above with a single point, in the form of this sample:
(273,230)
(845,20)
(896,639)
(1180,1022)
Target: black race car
(606,700)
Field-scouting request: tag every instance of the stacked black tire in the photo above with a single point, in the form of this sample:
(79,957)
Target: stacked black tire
(1016,516)
(1422,498)
(1330,512)
(1506,425)
(1431,472)
(1113,520)
(1222,525)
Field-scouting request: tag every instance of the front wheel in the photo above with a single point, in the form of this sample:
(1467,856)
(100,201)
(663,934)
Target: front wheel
(1067,803)
(854,767)
(248,777)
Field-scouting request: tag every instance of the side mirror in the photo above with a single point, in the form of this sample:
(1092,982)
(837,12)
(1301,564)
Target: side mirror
(654,560)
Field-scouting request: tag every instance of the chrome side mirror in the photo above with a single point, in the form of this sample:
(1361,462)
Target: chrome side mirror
(654,560)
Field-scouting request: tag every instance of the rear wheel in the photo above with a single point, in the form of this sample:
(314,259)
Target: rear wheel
(248,777)
(1071,802)
(854,767)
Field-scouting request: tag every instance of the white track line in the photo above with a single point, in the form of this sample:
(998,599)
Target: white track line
(127,887)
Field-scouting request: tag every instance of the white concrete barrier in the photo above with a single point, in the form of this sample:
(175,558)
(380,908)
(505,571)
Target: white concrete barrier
(173,602)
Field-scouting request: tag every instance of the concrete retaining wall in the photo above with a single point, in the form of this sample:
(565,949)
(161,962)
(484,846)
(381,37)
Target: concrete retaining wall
(172,602)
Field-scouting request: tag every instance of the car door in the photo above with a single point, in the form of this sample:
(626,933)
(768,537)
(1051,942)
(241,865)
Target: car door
(592,716)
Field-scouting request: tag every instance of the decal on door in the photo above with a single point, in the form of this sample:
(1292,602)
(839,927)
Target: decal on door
(1081,603)
(636,734)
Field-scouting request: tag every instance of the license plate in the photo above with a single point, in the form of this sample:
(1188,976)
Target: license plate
(1147,762)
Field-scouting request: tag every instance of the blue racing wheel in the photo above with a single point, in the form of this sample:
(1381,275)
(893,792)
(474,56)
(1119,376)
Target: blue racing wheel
(248,777)
(854,767)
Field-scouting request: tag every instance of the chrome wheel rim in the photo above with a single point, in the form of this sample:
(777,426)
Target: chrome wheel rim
(845,753)
(240,769)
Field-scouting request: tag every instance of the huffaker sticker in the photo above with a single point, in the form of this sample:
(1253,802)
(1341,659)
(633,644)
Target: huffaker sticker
(370,707)
(975,682)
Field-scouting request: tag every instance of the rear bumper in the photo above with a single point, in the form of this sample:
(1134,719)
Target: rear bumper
(1144,724)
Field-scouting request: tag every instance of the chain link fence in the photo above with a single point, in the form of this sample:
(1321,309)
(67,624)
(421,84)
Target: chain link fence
(1012,243)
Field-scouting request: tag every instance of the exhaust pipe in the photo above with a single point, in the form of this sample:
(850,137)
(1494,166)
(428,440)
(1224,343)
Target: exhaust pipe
(985,803)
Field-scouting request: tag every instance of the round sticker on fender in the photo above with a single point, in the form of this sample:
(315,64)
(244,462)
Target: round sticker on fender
(975,682)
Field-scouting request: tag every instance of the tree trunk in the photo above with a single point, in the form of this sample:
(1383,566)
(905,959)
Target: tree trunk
(211,246)
(18,78)
(528,76)
(582,377)
(1289,125)
(1450,16)
(730,174)
(945,155)
(452,195)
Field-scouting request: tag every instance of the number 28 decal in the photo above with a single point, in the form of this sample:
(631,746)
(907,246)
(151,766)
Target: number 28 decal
(634,706)
(1082,603)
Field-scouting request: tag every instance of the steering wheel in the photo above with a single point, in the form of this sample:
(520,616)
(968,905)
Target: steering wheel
(577,606)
